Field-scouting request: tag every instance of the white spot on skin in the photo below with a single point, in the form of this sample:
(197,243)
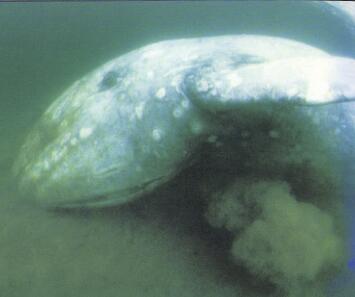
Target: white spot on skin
(185,103)
(178,112)
(234,80)
(64,124)
(202,86)
(85,132)
(73,141)
(139,110)
(160,93)
(157,134)
(58,154)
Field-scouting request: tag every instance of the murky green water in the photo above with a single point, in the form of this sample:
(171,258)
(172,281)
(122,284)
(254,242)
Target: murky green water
(159,247)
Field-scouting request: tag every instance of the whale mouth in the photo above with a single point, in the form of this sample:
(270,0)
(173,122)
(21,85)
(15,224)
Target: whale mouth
(111,198)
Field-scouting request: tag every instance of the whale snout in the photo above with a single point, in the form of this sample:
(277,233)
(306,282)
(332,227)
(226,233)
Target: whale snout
(77,150)
(53,165)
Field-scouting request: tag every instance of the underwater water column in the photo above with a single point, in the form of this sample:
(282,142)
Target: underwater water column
(346,11)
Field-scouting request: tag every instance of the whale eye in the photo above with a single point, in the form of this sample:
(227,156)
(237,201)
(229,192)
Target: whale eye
(109,80)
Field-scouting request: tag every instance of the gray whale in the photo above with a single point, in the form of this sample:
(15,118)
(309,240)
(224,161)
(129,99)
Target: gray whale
(135,122)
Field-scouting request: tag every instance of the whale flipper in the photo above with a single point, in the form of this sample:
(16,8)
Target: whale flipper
(309,80)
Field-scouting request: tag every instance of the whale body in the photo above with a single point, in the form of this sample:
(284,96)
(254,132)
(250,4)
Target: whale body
(134,123)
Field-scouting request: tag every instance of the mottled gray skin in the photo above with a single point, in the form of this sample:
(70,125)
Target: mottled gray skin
(135,122)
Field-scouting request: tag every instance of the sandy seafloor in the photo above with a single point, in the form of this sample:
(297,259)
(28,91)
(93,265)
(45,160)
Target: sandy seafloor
(158,246)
